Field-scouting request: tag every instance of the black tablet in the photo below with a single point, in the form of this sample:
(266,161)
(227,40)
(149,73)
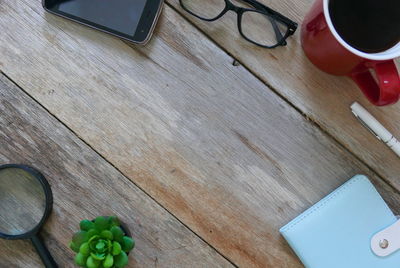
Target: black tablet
(133,20)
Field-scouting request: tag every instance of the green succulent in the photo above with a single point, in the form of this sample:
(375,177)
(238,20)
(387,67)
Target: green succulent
(101,243)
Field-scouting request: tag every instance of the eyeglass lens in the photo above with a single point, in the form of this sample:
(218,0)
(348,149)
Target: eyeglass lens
(261,28)
(208,10)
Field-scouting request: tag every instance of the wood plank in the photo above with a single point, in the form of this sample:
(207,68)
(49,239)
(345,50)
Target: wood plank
(85,186)
(204,138)
(323,98)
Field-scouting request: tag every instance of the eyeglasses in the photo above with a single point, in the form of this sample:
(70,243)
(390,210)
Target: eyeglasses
(259,25)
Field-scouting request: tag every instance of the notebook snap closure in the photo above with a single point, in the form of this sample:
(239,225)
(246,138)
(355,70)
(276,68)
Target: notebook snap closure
(387,241)
(383,243)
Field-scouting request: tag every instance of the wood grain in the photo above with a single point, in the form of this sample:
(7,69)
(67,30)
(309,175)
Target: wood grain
(203,137)
(85,186)
(323,98)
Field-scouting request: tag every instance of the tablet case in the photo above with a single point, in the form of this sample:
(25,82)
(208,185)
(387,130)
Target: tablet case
(336,232)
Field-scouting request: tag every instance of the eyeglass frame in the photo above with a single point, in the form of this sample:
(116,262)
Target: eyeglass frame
(259,8)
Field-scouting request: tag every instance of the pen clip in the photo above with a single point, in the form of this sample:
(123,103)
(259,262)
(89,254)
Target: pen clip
(366,126)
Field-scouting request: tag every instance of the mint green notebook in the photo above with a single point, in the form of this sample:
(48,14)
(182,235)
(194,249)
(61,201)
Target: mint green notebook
(336,232)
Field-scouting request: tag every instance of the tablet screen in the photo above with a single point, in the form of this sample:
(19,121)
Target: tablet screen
(119,15)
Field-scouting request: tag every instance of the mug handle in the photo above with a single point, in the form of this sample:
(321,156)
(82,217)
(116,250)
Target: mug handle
(385,89)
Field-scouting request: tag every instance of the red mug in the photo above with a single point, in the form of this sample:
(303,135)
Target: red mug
(330,53)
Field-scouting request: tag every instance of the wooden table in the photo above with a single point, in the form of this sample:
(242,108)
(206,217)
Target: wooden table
(204,159)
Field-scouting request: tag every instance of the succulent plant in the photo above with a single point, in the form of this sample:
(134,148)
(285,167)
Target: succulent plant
(101,243)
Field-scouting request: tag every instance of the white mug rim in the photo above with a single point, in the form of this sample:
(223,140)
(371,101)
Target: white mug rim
(384,55)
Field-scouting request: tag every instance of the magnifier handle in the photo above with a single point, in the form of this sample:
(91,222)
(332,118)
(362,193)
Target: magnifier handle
(43,252)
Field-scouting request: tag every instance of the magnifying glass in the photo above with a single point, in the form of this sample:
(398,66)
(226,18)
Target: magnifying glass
(25,204)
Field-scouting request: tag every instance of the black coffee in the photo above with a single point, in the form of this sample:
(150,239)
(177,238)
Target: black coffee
(367,25)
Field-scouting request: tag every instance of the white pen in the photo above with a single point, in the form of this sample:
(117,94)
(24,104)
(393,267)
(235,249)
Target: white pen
(375,127)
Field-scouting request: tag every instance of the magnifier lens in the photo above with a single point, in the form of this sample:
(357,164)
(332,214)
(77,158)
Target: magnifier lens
(22,201)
